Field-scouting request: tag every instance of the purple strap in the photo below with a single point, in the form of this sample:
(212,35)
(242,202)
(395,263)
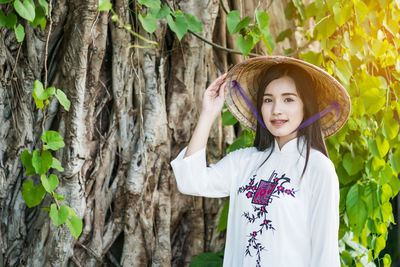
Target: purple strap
(248,102)
(313,118)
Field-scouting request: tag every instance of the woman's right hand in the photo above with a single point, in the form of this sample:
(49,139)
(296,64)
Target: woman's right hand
(213,98)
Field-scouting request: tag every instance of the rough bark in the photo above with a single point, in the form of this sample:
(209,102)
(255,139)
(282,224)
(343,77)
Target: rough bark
(132,110)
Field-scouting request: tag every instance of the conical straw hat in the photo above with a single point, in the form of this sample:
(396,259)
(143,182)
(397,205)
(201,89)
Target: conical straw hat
(247,74)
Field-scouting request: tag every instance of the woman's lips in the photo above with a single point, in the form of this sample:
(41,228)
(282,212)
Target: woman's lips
(278,122)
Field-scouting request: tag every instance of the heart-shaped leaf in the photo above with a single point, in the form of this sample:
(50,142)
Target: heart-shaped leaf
(57,165)
(245,45)
(19,33)
(49,184)
(58,216)
(63,99)
(43,162)
(178,26)
(104,5)
(31,194)
(26,159)
(25,9)
(53,140)
(352,165)
(75,226)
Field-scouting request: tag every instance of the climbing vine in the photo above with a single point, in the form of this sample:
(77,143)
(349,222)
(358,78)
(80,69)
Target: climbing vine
(41,162)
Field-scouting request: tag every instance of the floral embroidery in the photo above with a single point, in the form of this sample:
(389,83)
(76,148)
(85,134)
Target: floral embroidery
(262,194)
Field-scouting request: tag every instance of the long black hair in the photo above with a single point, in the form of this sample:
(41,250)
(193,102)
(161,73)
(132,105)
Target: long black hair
(306,89)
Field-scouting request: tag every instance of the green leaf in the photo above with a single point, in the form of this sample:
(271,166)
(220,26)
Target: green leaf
(300,8)
(8,21)
(53,140)
(387,260)
(179,26)
(382,145)
(26,159)
(352,165)
(232,20)
(57,165)
(395,161)
(150,3)
(324,28)
(26,9)
(356,209)
(283,35)
(206,259)
(59,197)
(149,22)
(31,194)
(370,197)
(39,17)
(104,5)
(63,99)
(244,45)
(268,40)
(385,193)
(223,218)
(19,33)
(45,5)
(194,24)
(346,258)
(290,9)
(312,57)
(380,244)
(37,94)
(5,1)
(228,118)
(75,226)
(42,163)
(49,184)
(344,72)
(387,212)
(163,12)
(342,13)
(390,125)
(373,100)
(262,19)
(244,23)
(58,216)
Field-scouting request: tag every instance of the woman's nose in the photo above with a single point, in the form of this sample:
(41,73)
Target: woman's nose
(276,108)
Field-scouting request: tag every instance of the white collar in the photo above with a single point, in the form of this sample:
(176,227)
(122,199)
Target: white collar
(291,146)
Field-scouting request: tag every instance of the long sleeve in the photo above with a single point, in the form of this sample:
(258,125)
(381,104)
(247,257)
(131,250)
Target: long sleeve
(193,177)
(324,219)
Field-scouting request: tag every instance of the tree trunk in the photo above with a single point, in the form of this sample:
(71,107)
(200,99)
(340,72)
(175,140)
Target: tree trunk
(132,111)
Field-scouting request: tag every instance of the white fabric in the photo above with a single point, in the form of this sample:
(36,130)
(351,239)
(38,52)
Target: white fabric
(298,226)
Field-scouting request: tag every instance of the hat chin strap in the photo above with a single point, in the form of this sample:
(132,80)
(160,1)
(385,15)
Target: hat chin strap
(319,115)
(313,118)
(248,102)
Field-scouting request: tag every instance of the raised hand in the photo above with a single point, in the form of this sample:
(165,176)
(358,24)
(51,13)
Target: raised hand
(213,98)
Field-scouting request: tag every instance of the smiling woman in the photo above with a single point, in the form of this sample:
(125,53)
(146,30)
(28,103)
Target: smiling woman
(284,191)
(282,109)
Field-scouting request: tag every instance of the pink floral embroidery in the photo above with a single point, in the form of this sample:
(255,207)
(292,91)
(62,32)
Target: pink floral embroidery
(262,193)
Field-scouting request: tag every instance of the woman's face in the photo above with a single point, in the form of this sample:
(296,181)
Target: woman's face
(282,109)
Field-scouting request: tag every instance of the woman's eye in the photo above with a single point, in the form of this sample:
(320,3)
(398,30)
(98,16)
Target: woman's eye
(288,100)
(267,100)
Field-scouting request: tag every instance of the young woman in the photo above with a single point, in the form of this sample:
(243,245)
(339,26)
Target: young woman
(284,191)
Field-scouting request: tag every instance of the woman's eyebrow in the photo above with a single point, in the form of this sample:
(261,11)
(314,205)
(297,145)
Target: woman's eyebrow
(284,94)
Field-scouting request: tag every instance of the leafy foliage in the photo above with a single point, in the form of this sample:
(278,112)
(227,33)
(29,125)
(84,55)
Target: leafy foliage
(250,34)
(41,161)
(360,46)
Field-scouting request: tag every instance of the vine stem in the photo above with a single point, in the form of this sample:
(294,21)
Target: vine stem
(221,47)
(47,46)
(45,63)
